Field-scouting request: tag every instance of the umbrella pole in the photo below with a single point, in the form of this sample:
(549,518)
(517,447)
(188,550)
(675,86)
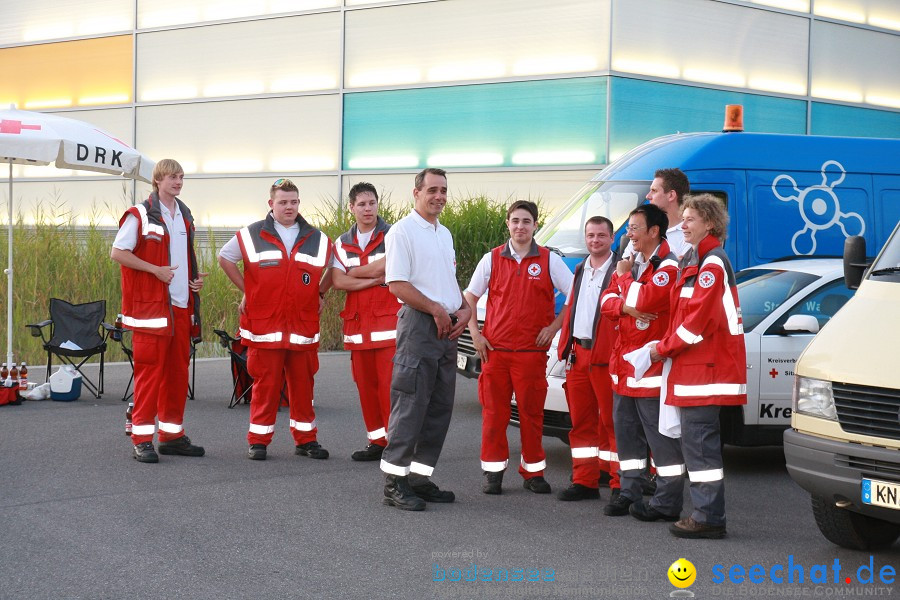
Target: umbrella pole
(9,275)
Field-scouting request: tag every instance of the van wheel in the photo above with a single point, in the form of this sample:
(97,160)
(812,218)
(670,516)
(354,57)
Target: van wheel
(852,530)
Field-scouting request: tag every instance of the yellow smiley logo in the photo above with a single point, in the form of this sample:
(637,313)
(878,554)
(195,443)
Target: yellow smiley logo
(682,573)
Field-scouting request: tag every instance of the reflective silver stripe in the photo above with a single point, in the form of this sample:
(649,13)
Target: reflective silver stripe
(613,457)
(265,337)
(421,469)
(670,470)
(687,336)
(168,427)
(350,262)
(644,382)
(377,434)
(586,452)
(302,339)
(533,467)
(394,469)
(261,429)
(319,259)
(343,256)
(711,389)
(380,336)
(607,297)
(687,292)
(157,229)
(667,263)
(614,377)
(707,476)
(143,429)
(301,426)
(146,227)
(254,256)
(493,467)
(353,339)
(146,323)
(633,290)
(633,464)
(374,257)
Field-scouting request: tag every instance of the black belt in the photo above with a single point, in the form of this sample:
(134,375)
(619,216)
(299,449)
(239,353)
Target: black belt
(586,344)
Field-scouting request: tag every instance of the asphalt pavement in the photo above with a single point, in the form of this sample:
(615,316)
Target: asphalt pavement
(81,519)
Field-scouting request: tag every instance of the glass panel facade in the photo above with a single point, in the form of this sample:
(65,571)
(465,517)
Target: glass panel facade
(836,119)
(771,57)
(100,202)
(478,40)
(160,13)
(844,65)
(237,59)
(79,73)
(502,124)
(877,13)
(37,20)
(642,110)
(277,135)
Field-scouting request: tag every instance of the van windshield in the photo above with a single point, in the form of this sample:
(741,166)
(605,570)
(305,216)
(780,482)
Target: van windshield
(887,265)
(761,291)
(610,199)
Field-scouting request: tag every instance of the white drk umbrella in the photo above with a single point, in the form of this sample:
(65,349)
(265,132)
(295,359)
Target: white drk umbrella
(31,138)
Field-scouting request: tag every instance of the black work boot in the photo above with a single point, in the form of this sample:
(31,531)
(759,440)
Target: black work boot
(397,492)
(493,482)
(145,453)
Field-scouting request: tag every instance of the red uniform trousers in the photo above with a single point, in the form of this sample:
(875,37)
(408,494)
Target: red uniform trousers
(525,374)
(161,380)
(592,439)
(269,367)
(372,373)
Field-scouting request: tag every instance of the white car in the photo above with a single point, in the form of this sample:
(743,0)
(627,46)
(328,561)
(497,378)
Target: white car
(784,304)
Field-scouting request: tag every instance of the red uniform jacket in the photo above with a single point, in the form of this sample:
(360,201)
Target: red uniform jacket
(651,293)
(370,315)
(706,335)
(282,286)
(146,305)
(604,329)
(520,299)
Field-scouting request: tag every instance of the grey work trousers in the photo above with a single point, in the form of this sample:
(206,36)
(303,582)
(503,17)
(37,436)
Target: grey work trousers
(702,448)
(636,422)
(423,384)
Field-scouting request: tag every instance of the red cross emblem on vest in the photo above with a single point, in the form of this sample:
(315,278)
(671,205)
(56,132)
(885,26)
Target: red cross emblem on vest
(10,126)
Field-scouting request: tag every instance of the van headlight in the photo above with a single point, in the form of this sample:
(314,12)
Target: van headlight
(814,397)
(558,369)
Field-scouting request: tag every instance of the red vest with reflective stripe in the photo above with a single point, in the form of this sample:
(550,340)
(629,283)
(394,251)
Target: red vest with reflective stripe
(604,329)
(520,299)
(146,306)
(370,315)
(706,335)
(282,286)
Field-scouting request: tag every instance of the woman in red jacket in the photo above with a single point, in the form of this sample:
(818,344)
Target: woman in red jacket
(705,343)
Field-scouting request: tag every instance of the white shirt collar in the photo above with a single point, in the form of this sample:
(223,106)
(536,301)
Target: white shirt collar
(422,222)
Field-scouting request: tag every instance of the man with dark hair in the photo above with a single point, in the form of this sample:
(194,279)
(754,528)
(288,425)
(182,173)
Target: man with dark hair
(420,269)
(161,305)
(585,343)
(370,314)
(519,326)
(667,191)
(638,302)
(285,259)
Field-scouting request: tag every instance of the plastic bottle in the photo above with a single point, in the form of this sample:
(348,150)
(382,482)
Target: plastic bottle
(128,412)
(23,377)
(117,335)
(4,373)
(13,380)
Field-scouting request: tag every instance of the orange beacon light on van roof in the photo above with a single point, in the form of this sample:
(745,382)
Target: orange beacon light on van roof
(734,118)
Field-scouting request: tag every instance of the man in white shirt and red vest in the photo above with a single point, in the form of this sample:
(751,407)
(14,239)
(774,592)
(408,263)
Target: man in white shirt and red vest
(161,305)
(586,343)
(519,326)
(420,269)
(285,259)
(370,314)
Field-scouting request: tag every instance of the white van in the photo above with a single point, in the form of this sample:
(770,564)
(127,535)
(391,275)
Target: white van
(843,446)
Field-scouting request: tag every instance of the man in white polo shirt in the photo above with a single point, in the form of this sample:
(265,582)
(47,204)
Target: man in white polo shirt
(420,269)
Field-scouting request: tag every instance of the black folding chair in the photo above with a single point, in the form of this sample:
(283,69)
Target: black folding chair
(121,335)
(76,334)
(242,391)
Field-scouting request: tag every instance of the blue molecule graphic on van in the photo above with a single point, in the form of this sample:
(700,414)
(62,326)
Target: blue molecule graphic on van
(820,208)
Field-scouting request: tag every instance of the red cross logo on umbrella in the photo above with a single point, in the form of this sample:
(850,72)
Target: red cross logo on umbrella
(10,126)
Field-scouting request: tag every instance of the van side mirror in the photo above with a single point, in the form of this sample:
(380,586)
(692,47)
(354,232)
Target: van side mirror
(801,324)
(855,264)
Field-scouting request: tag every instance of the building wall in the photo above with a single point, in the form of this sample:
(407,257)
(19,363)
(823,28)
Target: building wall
(517,98)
